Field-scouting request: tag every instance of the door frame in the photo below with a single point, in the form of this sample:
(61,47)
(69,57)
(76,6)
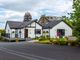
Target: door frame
(26,33)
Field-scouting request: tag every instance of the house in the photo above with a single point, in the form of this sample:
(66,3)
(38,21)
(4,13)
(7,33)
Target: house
(46,26)
(57,28)
(26,28)
(54,26)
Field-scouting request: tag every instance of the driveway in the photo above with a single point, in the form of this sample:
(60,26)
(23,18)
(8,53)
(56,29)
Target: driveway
(35,51)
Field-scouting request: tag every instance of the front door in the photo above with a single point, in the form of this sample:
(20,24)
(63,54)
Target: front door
(26,33)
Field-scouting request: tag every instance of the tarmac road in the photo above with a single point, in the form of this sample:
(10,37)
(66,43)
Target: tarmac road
(35,51)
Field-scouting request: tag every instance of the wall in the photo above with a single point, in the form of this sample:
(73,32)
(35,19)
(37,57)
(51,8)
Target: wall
(33,24)
(12,35)
(61,25)
(31,32)
(38,27)
(22,33)
(8,30)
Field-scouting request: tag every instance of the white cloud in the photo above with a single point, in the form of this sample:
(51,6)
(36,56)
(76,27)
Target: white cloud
(36,7)
(15,9)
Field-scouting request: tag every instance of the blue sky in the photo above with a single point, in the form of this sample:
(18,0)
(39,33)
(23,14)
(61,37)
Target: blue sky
(14,10)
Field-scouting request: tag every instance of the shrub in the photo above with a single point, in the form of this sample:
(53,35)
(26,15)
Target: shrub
(2,39)
(62,41)
(55,42)
(42,38)
(72,42)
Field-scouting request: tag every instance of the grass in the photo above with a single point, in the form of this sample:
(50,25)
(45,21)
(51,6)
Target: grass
(45,42)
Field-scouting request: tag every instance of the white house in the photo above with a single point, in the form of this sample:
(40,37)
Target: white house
(31,28)
(27,28)
(57,28)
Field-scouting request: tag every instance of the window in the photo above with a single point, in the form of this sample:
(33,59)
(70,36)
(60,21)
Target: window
(43,31)
(19,31)
(13,31)
(60,32)
(38,31)
(47,32)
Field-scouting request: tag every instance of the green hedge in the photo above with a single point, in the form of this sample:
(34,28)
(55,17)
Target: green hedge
(2,39)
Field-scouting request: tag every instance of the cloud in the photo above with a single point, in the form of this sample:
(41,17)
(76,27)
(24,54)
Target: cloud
(15,9)
(23,5)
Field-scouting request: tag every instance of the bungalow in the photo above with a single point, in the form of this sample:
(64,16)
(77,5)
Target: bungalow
(57,28)
(27,28)
(32,28)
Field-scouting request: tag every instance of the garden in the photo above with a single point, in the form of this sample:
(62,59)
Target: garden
(58,41)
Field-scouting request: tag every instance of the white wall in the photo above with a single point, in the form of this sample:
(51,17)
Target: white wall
(22,33)
(31,32)
(61,25)
(33,24)
(38,27)
(12,35)
(8,29)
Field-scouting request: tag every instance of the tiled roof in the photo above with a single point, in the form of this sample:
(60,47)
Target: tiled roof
(18,25)
(14,24)
(51,24)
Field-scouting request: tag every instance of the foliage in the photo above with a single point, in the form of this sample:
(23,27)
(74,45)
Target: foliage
(42,38)
(68,21)
(76,18)
(63,41)
(45,42)
(72,43)
(59,41)
(2,32)
(2,39)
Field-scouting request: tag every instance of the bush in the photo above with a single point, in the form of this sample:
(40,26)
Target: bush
(60,41)
(63,41)
(2,39)
(42,38)
(73,43)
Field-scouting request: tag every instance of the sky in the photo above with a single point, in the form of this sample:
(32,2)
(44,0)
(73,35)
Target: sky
(14,10)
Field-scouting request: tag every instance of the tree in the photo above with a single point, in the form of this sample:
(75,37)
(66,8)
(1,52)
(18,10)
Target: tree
(2,32)
(76,18)
(68,20)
